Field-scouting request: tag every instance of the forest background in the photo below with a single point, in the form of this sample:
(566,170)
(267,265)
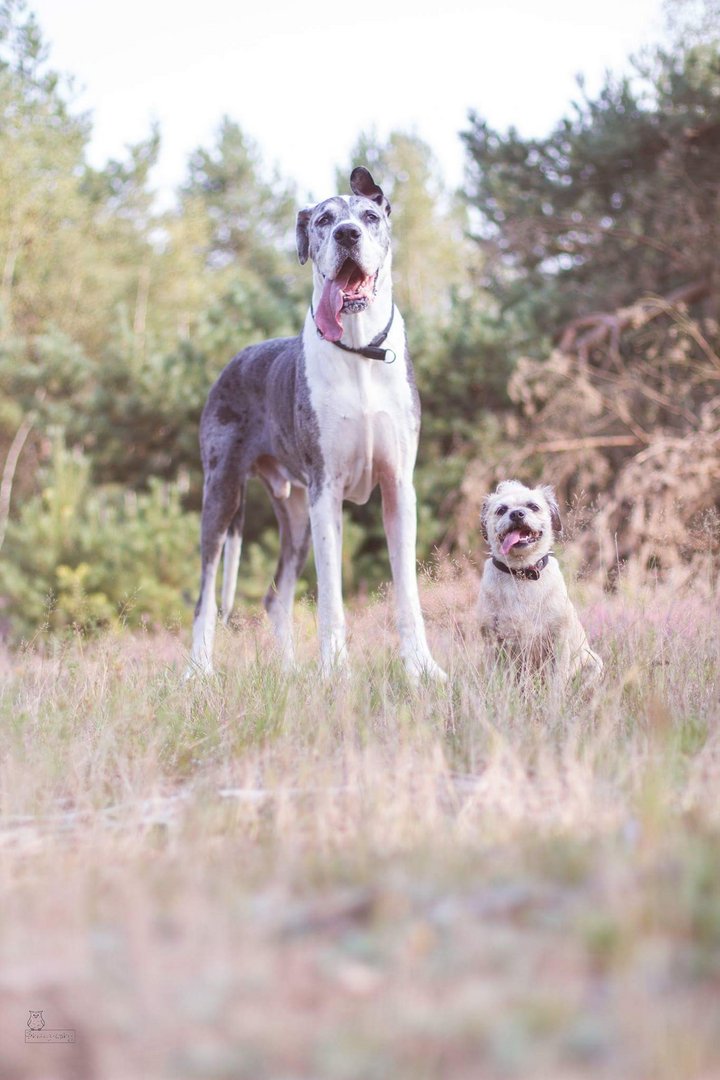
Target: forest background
(563,311)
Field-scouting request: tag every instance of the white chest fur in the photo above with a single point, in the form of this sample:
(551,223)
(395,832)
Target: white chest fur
(518,610)
(366,413)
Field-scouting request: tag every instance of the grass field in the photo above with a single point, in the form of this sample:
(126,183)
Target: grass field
(268,878)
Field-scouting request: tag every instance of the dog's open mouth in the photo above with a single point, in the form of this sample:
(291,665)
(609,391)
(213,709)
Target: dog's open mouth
(349,291)
(518,538)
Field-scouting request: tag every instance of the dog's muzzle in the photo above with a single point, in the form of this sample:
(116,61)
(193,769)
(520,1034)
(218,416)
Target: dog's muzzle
(519,535)
(350,291)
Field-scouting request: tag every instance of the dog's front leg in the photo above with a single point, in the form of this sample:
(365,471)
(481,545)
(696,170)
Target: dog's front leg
(575,657)
(400,519)
(326,526)
(566,664)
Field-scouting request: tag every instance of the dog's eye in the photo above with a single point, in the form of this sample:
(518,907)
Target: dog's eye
(371,217)
(500,511)
(324,220)
(533,507)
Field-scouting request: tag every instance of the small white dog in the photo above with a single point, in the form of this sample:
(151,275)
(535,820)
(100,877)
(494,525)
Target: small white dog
(524,605)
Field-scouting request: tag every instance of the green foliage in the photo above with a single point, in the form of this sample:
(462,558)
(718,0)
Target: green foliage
(82,557)
(619,200)
(602,243)
(251,218)
(115,319)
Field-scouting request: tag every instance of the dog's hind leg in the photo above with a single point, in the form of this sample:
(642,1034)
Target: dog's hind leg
(221,500)
(293,519)
(574,655)
(231,560)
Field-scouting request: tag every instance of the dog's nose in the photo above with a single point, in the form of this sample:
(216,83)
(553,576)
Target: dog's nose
(347,235)
(517,515)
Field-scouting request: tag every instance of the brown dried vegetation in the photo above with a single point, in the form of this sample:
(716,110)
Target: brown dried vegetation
(623,419)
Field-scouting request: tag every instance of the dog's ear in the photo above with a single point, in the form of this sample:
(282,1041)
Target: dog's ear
(302,237)
(362,183)
(551,500)
(484,516)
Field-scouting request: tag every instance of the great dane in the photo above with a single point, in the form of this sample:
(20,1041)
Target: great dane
(319,418)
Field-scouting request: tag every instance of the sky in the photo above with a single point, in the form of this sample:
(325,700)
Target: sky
(304,77)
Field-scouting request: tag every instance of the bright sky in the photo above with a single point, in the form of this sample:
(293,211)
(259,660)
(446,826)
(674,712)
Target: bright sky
(304,77)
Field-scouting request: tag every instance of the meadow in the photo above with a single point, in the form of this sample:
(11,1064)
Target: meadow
(261,876)
(268,877)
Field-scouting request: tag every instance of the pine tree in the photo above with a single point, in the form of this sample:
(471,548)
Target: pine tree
(602,245)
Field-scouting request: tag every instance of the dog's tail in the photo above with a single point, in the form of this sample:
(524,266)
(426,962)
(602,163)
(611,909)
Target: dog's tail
(231,558)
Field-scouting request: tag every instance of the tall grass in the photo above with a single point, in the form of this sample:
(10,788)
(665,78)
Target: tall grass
(268,876)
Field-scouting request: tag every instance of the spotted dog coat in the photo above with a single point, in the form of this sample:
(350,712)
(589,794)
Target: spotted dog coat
(319,418)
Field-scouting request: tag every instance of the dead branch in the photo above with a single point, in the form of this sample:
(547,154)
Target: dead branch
(601,326)
(592,442)
(8,473)
(568,225)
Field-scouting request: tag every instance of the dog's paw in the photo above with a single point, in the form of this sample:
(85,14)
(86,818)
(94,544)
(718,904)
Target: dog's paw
(593,668)
(195,670)
(425,668)
(335,664)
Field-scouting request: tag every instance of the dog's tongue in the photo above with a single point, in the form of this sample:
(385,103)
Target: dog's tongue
(328,311)
(510,540)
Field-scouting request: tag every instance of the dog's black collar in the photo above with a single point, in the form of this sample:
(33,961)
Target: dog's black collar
(525,573)
(371,351)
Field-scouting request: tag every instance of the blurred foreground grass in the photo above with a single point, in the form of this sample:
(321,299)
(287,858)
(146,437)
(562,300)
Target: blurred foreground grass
(267,878)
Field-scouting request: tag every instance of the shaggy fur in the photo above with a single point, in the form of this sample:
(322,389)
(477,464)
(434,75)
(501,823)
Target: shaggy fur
(527,611)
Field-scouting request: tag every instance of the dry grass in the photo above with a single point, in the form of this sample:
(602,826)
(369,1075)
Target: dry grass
(268,878)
